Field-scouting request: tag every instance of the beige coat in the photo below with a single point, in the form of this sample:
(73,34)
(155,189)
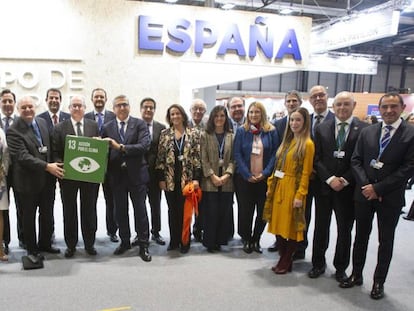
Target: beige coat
(210,161)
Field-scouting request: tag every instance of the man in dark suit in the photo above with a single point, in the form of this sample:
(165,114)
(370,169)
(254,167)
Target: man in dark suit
(7,117)
(52,117)
(334,144)
(30,149)
(128,173)
(148,107)
(293,100)
(103,116)
(318,97)
(382,163)
(76,125)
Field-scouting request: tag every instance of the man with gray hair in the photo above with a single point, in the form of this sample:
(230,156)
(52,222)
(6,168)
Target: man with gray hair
(29,144)
(79,126)
(198,109)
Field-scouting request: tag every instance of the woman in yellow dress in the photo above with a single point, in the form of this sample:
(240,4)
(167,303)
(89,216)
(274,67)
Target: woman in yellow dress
(288,186)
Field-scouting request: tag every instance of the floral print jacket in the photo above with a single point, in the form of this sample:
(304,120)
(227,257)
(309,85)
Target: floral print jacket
(191,165)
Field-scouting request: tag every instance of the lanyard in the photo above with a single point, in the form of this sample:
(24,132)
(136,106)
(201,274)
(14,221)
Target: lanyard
(221,146)
(180,145)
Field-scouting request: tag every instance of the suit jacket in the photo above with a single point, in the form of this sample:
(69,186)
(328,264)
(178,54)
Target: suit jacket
(90,129)
(108,116)
(329,116)
(151,155)
(46,116)
(210,160)
(137,143)
(29,165)
(326,165)
(280,126)
(398,158)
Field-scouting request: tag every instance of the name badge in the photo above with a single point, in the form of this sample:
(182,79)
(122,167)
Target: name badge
(256,150)
(180,158)
(376,164)
(43,149)
(221,162)
(339,154)
(279,174)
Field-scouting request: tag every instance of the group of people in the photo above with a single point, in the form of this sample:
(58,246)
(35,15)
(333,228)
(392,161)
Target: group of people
(275,169)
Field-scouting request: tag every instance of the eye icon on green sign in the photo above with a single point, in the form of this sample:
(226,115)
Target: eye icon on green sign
(84,165)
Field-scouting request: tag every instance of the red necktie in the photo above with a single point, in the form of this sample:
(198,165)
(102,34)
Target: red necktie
(55,119)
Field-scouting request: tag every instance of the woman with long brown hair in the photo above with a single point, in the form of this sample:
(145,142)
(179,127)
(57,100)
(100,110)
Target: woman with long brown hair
(288,186)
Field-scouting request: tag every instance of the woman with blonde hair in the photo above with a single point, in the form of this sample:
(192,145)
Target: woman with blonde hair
(254,153)
(288,187)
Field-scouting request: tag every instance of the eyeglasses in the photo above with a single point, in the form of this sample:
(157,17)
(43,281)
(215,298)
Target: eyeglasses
(319,95)
(121,105)
(199,109)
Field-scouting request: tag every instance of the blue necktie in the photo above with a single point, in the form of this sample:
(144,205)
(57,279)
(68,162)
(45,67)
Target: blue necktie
(122,131)
(36,131)
(6,123)
(100,121)
(385,140)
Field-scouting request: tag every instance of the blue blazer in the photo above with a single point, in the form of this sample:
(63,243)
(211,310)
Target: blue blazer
(137,143)
(243,148)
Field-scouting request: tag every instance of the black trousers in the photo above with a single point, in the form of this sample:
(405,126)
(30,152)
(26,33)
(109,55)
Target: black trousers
(218,208)
(111,224)
(137,193)
(30,203)
(387,219)
(252,197)
(88,218)
(175,201)
(343,206)
(154,198)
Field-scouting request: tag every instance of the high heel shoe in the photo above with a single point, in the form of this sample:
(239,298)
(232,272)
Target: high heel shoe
(283,270)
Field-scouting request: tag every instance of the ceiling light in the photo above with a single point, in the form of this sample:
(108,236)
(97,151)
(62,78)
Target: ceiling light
(228,6)
(171,1)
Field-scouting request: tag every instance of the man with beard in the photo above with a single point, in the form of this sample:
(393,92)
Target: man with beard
(52,117)
(103,116)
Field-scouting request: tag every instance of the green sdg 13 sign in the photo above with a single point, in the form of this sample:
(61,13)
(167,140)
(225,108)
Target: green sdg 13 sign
(85,159)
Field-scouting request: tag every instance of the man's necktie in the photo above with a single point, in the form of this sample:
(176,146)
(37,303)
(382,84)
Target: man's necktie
(149,131)
(318,119)
(36,131)
(100,121)
(55,119)
(340,139)
(78,129)
(122,131)
(6,123)
(385,140)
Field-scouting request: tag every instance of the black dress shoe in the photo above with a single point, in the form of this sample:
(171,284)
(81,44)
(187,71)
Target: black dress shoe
(352,281)
(377,291)
(158,239)
(144,254)
(91,251)
(172,247)
(70,252)
(135,241)
(121,249)
(247,248)
(113,238)
(299,255)
(316,272)
(273,248)
(50,250)
(184,249)
(256,247)
(408,218)
(340,276)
